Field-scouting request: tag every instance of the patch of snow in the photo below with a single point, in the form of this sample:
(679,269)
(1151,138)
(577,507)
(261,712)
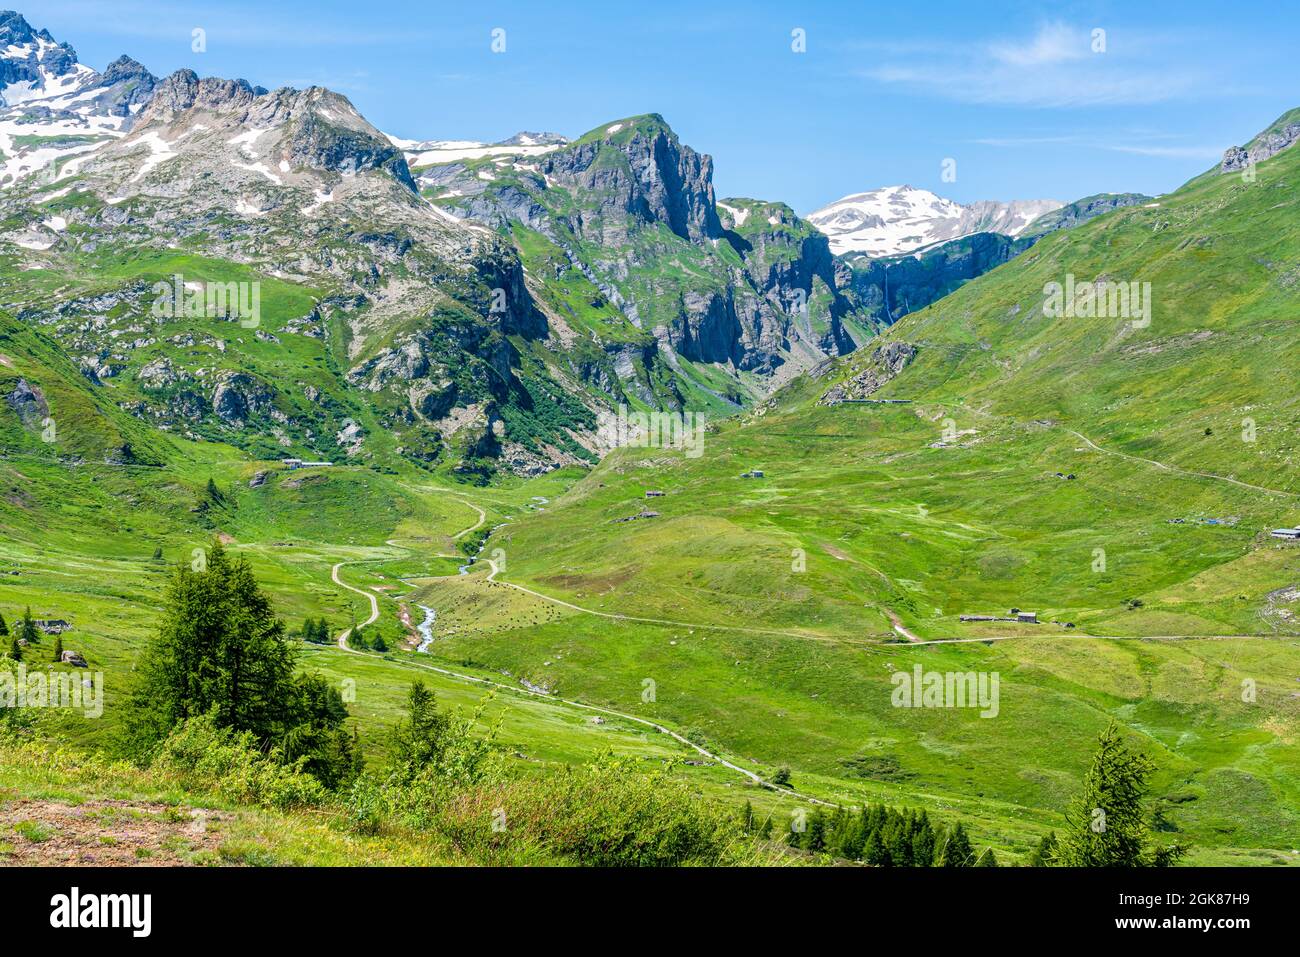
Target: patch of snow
(435,153)
(321,198)
(245,140)
(259,168)
(738,216)
(30,242)
(159,152)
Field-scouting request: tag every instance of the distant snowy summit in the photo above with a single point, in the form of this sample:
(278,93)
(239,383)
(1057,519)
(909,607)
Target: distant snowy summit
(421,153)
(900,219)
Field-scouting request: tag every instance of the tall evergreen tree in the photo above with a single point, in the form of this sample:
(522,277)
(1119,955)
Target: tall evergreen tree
(876,852)
(922,841)
(1044,855)
(220,650)
(4,627)
(956,850)
(27,627)
(417,741)
(1107,823)
(15,649)
(220,647)
(747,818)
(814,838)
(58,649)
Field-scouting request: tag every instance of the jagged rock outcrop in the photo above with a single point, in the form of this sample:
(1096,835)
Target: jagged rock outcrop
(126,84)
(884,363)
(659,180)
(239,396)
(30,53)
(28,402)
(1080,211)
(1283,134)
(629,212)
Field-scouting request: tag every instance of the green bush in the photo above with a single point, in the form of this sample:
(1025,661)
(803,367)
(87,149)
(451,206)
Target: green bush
(610,814)
(201,756)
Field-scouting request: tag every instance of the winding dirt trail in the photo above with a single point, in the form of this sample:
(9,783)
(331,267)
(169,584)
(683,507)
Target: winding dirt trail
(374,603)
(486,682)
(1179,471)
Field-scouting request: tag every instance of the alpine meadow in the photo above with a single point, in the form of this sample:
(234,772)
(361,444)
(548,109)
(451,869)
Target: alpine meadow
(403,489)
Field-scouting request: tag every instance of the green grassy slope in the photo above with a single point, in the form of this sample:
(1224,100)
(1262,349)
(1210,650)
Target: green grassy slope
(1159,593)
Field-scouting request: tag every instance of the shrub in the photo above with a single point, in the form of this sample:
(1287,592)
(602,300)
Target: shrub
(199,755)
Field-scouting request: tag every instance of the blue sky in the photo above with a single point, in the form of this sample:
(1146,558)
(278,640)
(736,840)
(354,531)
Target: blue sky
(883,93)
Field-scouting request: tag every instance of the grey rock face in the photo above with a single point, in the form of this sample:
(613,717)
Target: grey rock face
(239,395)
(325,146)
(885,363)
(57,59)
(125,83)
(662,181)
(708,330)
(1261,148)
(29,403)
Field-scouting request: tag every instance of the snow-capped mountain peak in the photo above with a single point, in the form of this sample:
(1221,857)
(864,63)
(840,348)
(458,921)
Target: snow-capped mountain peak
(898,219)
(53,108)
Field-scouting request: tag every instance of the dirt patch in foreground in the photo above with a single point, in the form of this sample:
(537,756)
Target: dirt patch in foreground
(106,833)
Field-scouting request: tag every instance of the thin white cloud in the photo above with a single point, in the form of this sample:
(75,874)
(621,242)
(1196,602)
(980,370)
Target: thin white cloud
(1136,142)
(1058,65)
(1171,152)
(1054,43)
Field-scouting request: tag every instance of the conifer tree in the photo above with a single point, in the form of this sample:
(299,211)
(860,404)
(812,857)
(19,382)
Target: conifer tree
(875,852)
(15,649)
(27,628)
(922,841)
(955,850)
(815,835)
(1108,825)
(58,649)
(4,627)
(1044,855)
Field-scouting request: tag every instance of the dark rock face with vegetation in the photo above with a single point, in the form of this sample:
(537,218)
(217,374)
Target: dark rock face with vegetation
(621,231)
(888,289)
